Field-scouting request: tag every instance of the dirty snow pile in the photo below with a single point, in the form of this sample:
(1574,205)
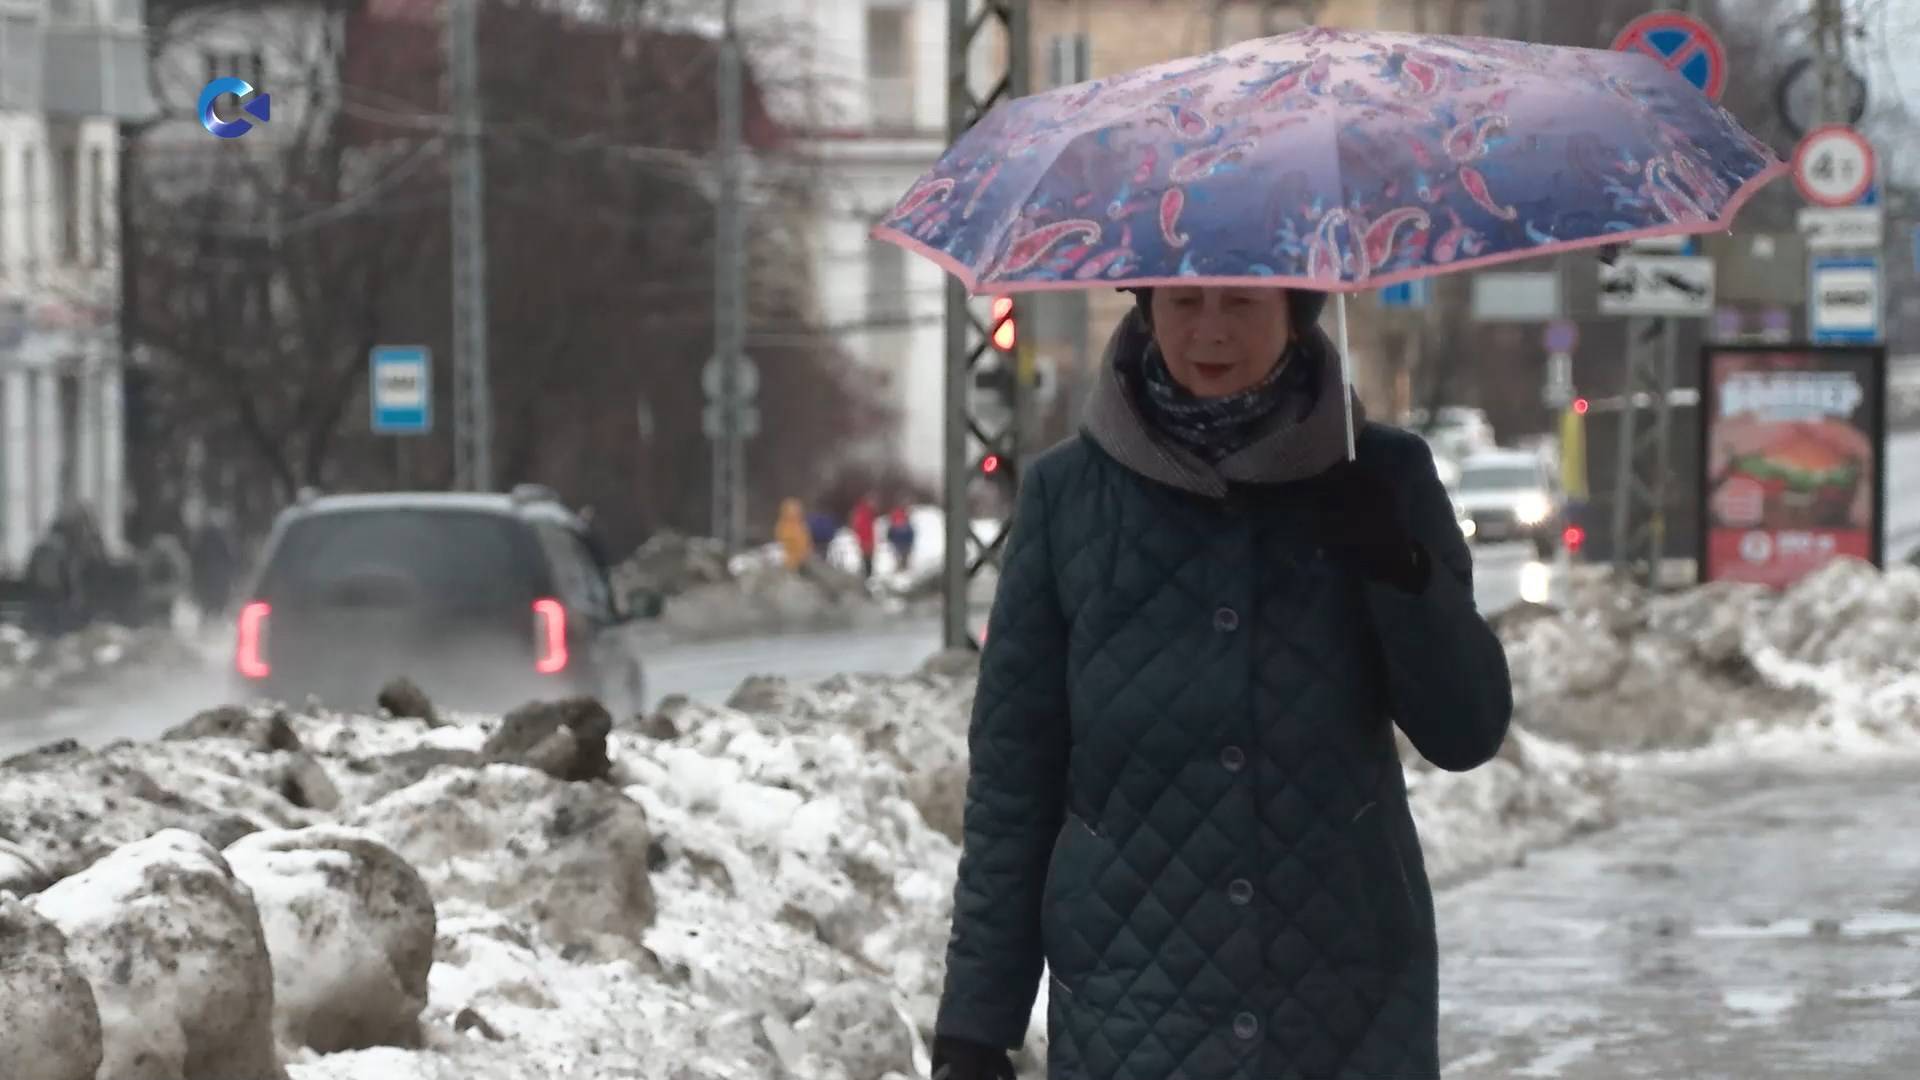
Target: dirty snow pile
(709,595)
(760,889)
(1833,662)
(35,669)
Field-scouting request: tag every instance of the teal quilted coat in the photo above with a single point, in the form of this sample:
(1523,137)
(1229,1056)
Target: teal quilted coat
(1185,796)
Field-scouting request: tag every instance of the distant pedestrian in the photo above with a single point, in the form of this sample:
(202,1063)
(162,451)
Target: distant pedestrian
(900,536)
(796,544)
(211,552)
(822,528)
(864,522)
(50,592)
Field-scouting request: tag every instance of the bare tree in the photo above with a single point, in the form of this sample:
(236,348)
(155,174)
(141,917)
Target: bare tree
(260,309)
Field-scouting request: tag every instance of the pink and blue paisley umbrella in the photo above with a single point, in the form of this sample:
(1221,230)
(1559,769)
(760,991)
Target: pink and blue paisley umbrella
(1332,160)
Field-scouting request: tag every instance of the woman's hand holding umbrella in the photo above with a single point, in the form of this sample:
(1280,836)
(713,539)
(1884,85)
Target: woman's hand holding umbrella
(1361,523)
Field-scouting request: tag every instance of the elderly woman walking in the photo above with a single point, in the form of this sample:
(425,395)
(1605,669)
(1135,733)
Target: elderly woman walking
(1185,794)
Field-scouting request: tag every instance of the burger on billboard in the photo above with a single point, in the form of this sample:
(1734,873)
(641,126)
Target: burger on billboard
(1794,450)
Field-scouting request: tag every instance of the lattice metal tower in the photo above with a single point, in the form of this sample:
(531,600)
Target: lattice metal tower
(971,435)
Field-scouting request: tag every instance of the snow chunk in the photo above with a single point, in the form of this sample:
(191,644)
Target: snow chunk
(50,1029)
(171,943)
(68,815)
(350,926)
(570,858)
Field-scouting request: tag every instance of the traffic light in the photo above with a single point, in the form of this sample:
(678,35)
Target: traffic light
(1004,334)
(990,464)
(1573,538)
(1580,405)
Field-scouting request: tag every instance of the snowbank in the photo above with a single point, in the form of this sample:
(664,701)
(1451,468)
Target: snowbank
(764,888)
(711,596)
(771,599)
(1723,665)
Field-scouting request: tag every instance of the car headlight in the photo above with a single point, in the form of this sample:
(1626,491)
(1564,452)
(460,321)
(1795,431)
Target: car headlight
(1532,510)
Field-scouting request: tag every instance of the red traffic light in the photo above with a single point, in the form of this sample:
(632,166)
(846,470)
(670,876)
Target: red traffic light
(990,464)
(1005,334)
(1573,537)
(1580,405)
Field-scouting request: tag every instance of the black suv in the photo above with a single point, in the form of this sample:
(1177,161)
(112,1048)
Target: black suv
(484,601)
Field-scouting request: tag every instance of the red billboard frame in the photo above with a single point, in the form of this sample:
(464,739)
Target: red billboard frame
(1811,544)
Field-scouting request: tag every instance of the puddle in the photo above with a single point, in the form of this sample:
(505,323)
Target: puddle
(1764,1004)
(1892,991)
(1875,923)
(1783,928)
(1563,1054)
(1471,1061)
(1871,924)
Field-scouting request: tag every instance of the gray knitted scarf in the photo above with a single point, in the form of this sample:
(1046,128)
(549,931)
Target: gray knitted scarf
(1213,428)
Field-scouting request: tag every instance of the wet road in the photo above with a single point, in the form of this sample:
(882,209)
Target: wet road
(1749,924)
(141,705)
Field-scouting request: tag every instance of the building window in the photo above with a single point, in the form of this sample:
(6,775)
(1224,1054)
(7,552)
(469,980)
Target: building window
(886,285)
(97,201)
(30,203)
(70,203)
(889,73)
(1069,59)
(19,61)
(251,66)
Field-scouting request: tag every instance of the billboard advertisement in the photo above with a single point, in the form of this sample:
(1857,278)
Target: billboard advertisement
(1794,443)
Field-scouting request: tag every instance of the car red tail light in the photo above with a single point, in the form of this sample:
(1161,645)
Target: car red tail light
(1574,537)
(250,649)
(549,636)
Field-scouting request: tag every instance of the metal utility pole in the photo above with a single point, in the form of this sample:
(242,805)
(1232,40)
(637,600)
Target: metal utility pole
(1829,37)
(968,22)
(472,400)
(729,308)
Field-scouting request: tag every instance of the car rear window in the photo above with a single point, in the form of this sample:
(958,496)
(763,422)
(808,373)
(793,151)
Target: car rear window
(1498,477)
(446,559)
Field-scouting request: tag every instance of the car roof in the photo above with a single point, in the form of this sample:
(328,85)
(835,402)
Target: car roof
(548,512)
(1502,457)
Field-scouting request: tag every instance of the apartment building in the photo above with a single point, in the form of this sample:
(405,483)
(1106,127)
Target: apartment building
(868,118)
(71,71)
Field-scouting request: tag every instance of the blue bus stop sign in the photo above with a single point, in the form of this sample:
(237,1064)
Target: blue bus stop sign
(402,389)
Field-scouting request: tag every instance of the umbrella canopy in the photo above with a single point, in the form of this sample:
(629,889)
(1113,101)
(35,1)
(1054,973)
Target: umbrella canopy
(1331,160)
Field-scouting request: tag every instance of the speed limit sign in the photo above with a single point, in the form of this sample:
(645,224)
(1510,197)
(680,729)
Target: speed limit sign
(1834,166)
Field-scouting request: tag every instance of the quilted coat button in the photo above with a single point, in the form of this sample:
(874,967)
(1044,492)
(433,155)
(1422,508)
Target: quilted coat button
(1240,891)
(1233,759)
(1226,620)
(1246,1025)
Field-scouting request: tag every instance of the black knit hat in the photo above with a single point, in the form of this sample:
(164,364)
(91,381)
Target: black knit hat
(1303,307)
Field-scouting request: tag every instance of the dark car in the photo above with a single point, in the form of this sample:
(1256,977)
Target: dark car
(484,601)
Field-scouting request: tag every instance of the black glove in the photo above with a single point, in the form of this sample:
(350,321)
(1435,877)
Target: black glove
(960,1059)
(1360,524)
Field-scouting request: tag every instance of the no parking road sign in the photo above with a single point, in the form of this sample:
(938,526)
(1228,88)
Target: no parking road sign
(1683,43)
